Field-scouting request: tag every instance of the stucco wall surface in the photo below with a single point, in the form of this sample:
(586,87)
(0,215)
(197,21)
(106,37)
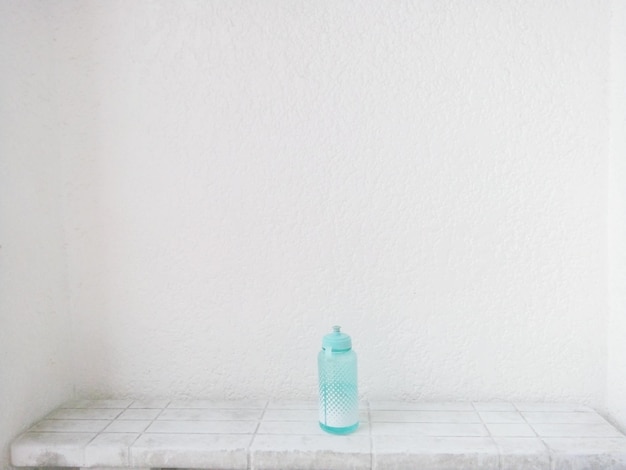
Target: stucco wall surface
(616,383)
(193,193)
(430,175)
(35,351)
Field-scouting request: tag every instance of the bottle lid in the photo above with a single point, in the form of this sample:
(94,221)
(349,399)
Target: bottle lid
(337,341)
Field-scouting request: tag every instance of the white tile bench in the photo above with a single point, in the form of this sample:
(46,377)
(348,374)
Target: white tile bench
(285,435)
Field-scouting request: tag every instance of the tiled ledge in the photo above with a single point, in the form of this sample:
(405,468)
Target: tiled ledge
(285,435)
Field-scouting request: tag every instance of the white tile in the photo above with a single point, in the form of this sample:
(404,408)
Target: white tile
(524,406)
(510,430)
(420,406)
(575,430)
(587,453)
(434,453)
(301,427)
(149,404)
(70,425)
(148,414)
(108,468)
(191,451)
(97,404)
(560,445)
(210,434)
(501,417)
(85,413)
(494,406)
(270,452)
(291,415)
(77,404)
(429,429)
(128,426)
(203,414)
(411,416)
(292,405)
(110,450)
(290,427)
(221,405)
(302,415)
(203,427)
(563,417)
(50,449)
(522,453)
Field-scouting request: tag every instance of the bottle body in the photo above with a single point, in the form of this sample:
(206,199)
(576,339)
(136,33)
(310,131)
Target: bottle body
(338,391)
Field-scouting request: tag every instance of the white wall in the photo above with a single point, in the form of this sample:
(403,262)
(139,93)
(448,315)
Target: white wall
(431,175)
(229,179)
(616,384)
(35,353)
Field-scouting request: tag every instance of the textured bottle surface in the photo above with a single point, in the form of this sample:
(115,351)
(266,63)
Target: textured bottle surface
(338,392)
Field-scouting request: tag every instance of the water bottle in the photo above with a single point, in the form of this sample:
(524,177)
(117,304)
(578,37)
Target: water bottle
(338,391)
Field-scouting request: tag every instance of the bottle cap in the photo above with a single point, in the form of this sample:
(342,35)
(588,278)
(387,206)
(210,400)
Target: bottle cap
(337,341)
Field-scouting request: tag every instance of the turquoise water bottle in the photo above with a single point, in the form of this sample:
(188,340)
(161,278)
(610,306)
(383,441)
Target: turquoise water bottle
(338,391)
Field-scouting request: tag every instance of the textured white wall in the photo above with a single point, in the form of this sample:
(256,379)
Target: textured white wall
(238,177)
(431,175)
(35,355)
(616,389)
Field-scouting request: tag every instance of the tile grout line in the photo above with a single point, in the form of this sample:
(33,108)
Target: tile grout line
(521,413)
(141,433)
(491,437)
(543,443)
(498,438)
(254,434)
(129,456)
(84,449)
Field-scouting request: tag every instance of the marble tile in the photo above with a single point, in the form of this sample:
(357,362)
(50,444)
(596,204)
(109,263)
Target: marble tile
(525,453)
(110,450)
(494,406)
(145,414)
(510,430)
(203,427)
(270,452)
(420,406)
(411,416)
(587,453)
(202,414)
(563,417)
(70,425)
(191,451)
(429,429)
(128,426)
(50,449)
(575,430)
(501,417)
(434,453)
(220,404)
(85,413)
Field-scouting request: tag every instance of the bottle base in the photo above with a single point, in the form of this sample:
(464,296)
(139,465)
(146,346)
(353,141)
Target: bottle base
(344,430)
